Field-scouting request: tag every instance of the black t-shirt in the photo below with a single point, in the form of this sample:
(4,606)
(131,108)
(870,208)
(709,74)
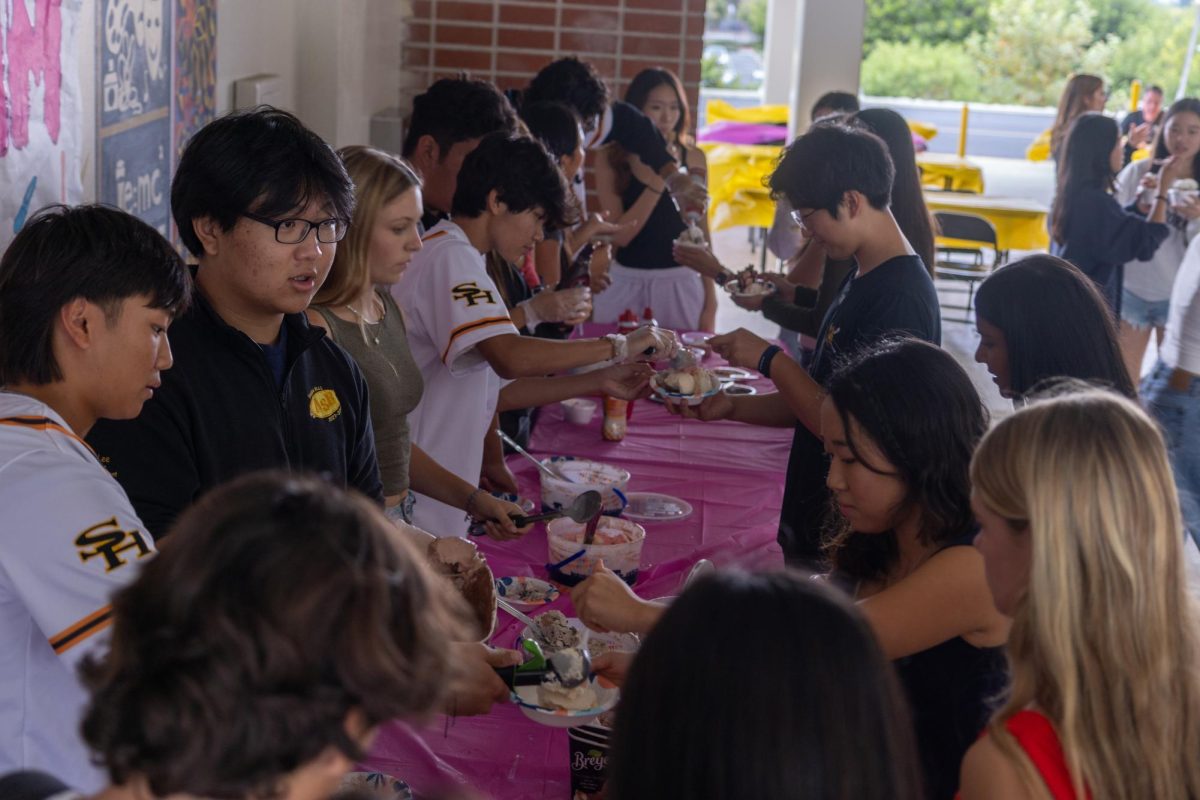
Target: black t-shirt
(896,297)
(30,785)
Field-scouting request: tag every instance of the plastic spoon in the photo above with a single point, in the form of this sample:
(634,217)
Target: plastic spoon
(545,469)
(582,509)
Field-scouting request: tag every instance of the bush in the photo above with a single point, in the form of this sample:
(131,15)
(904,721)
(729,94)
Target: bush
(913,69)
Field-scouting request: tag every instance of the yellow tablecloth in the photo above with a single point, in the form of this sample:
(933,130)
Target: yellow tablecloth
(942,171)
(721,111)
(736,184)
(737,175)
(1020,224)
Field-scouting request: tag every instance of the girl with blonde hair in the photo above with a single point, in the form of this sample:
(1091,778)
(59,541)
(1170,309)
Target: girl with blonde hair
(357,311)
(1081,538)
(382,238)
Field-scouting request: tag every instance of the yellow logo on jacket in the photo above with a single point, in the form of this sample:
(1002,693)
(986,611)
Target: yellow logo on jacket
(324,404)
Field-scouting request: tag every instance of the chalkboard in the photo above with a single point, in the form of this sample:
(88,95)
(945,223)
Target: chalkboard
(136,171)
(134,64)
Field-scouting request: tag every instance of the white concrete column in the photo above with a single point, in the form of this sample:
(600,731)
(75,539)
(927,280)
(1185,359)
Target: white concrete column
(348,65)
(827,52)
(779,51)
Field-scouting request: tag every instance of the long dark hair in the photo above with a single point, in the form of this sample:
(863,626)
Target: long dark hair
(646,82)
(636,95)
(1071,104)
(920,409)
(1055,324)
(1189,105)
(1086,164)
(814,713)
(908,201)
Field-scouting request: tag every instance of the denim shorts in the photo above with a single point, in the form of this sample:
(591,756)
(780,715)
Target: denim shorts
(1179,414)
(1143,313)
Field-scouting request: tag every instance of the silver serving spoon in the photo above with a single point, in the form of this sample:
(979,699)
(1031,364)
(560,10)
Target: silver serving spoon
(582,509)
(553,473)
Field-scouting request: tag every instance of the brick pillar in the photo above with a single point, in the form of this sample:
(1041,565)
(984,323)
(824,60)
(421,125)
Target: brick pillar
(507,41)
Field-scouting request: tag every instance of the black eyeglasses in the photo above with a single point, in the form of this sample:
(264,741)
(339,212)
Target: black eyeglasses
(295,230)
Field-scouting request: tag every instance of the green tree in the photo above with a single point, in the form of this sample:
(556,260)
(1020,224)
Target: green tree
(1120,18)
(1033,46)
(926,21)
(754,14)
(1153,53)
(914,69)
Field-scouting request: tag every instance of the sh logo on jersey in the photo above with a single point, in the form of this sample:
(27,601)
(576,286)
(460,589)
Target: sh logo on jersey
(471,292)
(107,540)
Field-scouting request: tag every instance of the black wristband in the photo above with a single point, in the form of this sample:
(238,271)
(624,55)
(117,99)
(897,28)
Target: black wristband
(722,278)
(764,361)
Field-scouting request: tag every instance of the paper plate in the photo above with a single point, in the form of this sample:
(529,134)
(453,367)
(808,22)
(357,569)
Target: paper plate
(687,399)
(732,373)
(525,592)
(655,507)
(526,697)
(732,288)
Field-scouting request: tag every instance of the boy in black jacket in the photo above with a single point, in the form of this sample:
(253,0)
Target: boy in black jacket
(261,202)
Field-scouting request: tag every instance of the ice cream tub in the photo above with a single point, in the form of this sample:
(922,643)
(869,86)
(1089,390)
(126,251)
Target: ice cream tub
(589,760)
(618,543)
(583,475)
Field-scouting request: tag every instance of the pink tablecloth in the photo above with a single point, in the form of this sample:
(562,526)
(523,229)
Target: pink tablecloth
(732,475)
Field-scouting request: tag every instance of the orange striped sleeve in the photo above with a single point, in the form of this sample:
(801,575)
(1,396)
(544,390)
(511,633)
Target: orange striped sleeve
(90,625)
(43,424)
(473,325)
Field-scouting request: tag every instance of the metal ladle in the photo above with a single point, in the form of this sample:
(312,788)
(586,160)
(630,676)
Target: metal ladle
(582,509)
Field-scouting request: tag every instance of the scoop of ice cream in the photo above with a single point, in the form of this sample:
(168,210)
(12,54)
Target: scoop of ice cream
(556,632)
(569,663)
(1185,185)
(695,381)
(555,695)
(459,561)
(692,235)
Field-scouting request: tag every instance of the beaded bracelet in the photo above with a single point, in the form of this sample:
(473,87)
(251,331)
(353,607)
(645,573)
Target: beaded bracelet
(471,502)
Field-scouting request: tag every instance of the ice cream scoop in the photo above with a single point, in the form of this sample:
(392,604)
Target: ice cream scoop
(582,509)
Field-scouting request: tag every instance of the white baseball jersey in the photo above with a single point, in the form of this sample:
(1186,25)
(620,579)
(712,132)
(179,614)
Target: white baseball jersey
(450,305)
(68,539)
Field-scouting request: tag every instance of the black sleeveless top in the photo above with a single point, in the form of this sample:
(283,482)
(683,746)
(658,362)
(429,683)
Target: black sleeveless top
(952,690)
(651,248)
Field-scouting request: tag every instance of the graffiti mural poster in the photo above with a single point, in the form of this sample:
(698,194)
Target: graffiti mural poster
(40,109)
(133,75)
(195,73)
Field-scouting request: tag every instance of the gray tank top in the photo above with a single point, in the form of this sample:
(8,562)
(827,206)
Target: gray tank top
(393,380)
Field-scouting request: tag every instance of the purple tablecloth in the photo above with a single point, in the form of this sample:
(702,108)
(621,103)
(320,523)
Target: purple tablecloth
(732,474)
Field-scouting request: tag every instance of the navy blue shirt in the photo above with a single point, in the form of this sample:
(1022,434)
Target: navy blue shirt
(221,412)
(1100,236)
(895,297)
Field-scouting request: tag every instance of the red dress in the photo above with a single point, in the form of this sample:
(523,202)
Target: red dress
(1039,740)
